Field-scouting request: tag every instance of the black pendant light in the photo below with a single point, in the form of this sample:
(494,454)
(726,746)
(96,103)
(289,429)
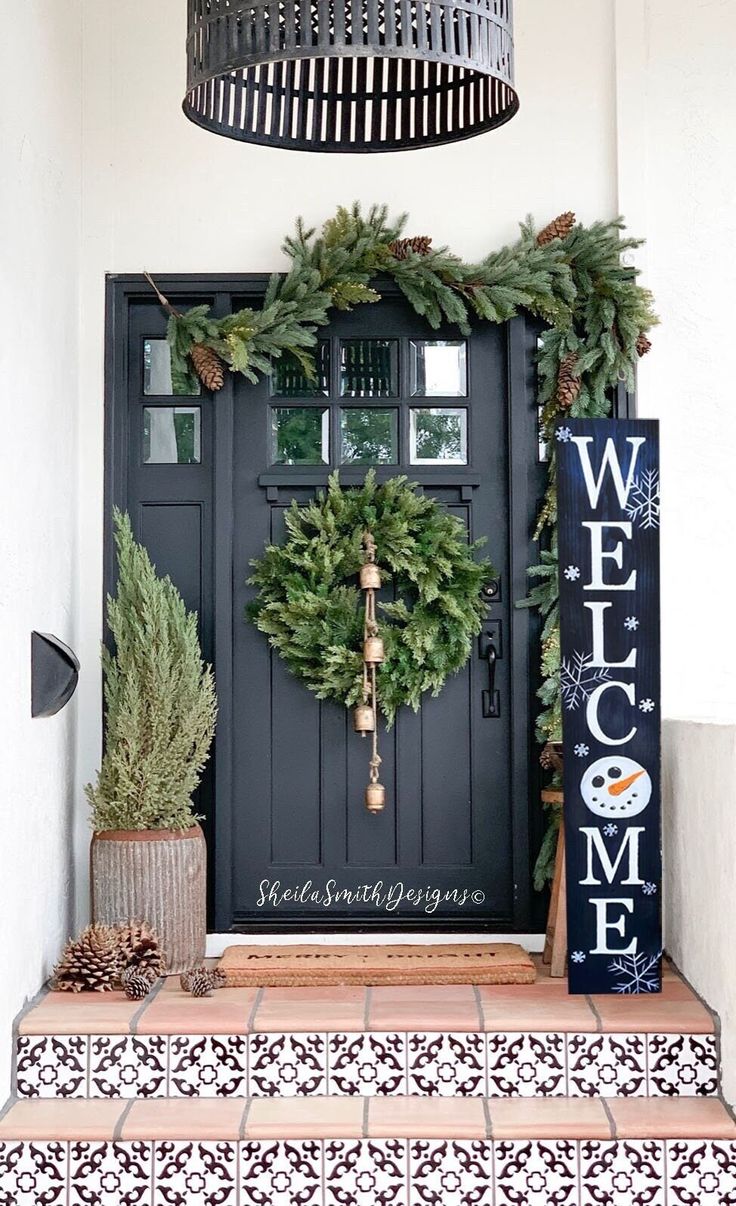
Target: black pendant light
(356,75)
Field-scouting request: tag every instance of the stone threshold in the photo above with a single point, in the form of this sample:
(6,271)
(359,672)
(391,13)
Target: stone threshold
(440,1118)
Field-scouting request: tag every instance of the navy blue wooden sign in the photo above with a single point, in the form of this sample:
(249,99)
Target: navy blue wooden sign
(608,499)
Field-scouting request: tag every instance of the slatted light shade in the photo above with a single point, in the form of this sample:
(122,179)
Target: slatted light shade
(356,75)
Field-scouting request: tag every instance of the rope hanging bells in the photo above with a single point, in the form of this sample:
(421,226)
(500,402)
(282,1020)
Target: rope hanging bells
(365,716)
(368,75)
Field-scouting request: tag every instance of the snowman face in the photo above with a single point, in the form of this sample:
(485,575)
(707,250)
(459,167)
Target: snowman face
(616,787)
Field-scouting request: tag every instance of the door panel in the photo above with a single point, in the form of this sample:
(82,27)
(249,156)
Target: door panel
(300,771)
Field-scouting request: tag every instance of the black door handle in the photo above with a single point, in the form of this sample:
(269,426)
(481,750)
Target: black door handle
(491,698)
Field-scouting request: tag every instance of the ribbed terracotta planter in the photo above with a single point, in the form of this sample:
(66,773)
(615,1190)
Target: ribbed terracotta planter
(158,876)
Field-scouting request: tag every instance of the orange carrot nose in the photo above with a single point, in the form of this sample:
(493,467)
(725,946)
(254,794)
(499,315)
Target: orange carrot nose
(617,788)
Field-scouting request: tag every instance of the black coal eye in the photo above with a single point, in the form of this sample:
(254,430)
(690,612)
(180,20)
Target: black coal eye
(598,781)
(614,772)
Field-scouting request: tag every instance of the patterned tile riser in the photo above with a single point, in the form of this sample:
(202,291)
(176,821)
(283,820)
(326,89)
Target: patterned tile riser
(368,1172)
(368,1064)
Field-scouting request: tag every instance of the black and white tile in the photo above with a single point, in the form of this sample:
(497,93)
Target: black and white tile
(446,1065)
(366,1065)
(287,1065)
(683,1065)
(449,1173)
(701,1172)
(606,1065)
(127,1065)
(372,1063)
(195,1174)
(33,1174)
(281,1173)
(624,1173)
(526,1065)
(52,1065)
(208,1065)
(536,1173)
(368,1172)
(110,1174)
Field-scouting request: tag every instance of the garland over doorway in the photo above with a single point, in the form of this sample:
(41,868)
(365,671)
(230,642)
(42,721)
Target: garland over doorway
(569,275)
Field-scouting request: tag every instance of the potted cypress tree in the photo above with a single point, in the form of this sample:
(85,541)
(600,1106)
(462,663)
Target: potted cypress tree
(148,850)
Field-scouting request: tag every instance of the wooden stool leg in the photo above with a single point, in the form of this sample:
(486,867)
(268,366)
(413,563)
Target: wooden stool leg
(559,940)
(557,909)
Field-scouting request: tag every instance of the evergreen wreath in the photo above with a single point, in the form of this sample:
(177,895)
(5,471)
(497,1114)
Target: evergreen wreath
(567,274)
(310,606)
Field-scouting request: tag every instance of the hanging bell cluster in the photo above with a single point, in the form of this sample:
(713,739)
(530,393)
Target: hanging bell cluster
(365,716)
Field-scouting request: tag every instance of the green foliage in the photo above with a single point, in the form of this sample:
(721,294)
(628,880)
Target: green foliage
(311,608)
(593,304)
(159,697)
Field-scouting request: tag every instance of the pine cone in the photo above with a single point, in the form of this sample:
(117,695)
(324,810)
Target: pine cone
(551,757)
(139,949)
(208,366)
(643,345)
(559,228)
(90,963)
(200,981)
(136,984)
(419,244)
(568,382)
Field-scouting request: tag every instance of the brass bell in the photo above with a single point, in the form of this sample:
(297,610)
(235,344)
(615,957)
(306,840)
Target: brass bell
(373,651)
(375,797)
(363,718)
(370,576)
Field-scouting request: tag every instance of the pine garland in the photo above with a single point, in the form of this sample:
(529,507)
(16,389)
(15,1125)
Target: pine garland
(311,609)
(569,275)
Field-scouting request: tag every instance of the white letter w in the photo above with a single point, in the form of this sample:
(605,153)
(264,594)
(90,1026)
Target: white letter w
(610,459)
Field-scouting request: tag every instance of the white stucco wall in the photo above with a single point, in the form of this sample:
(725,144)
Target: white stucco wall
(677,186)
(700,852)
(40,146)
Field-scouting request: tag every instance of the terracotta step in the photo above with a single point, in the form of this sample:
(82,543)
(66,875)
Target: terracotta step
(544,1006)
(524,1040)
(327,1151)
(378,1117)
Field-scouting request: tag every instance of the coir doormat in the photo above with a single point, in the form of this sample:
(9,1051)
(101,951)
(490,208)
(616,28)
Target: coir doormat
(455,963)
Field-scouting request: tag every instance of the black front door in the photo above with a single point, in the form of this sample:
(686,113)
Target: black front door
(303,843)
(293,844)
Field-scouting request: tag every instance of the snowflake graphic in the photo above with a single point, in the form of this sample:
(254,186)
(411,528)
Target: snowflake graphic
(643,502)
(578,678)
(649,889)
(635,973)
(563,435)
(572,573)
(578,956)
(582,750)
(646,705)
(610,830)
(631,623)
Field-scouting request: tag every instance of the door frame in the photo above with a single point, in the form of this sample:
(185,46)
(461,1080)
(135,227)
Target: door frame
(526,482)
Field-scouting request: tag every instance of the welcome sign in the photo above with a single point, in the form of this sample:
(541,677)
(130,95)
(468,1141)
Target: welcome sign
(608,502)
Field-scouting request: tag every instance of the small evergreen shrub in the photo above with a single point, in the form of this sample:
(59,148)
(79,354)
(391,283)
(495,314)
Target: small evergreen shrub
(160,701)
